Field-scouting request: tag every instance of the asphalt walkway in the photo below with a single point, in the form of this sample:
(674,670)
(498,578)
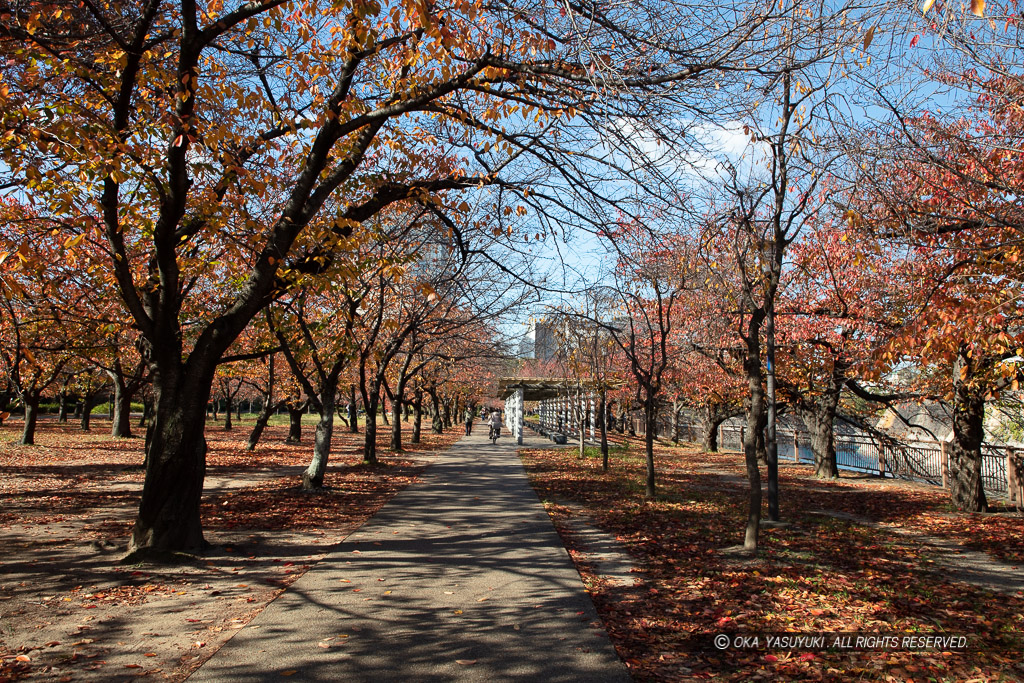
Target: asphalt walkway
(461,577)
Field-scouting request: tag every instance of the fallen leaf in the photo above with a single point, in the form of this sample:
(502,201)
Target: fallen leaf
(465,662)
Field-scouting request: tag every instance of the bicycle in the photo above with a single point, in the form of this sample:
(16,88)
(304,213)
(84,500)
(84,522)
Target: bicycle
(494,434)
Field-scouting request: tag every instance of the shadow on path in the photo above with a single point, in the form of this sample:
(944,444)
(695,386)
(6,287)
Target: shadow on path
(461,577)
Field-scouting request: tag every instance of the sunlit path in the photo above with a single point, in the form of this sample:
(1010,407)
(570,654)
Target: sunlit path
(460,578)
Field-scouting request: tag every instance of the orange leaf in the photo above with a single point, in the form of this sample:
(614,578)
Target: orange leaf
(978,7)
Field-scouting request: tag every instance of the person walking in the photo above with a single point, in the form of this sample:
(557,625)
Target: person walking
(469,421)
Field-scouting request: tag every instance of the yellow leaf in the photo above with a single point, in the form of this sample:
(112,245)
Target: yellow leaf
(868,37)
(978,7)
(421,9)
(927,6)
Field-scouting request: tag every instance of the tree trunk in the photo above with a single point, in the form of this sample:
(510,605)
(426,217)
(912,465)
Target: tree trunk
(602,411)
(227,411)
(675,421)
(820,424)
(965,484)
(370,433)
(436,425)
(147,411)
(755,422)
(353,411)
(417,412)
(88,403)
(446,414)
(396,418)
(62,412)
(313,477)
(650,418)
(168,519)
(28,432)
(261,424)
(121,427)
(710,423)
(294,424)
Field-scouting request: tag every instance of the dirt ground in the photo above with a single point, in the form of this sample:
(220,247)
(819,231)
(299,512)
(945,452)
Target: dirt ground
(70,612)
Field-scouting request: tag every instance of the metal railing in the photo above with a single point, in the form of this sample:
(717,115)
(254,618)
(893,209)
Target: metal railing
(911,460)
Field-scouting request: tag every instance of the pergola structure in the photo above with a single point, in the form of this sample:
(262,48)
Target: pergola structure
(556,396)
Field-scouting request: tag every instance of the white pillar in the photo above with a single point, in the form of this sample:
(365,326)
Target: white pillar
(582,422)
(593,421)
(519,416)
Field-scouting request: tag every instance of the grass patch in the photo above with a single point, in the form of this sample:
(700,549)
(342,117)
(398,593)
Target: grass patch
(614,451)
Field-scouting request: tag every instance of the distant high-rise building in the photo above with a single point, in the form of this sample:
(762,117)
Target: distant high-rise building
(540,342)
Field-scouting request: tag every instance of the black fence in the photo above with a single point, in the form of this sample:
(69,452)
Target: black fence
(912,460)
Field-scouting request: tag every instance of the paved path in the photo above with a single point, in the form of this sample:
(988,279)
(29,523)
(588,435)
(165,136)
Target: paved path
(461,577)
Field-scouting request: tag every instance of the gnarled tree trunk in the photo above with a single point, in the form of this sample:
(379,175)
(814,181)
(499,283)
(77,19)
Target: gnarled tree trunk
(88,403)
(417,411)
(396,417)
(313,477)
(711,419)
(353,411)
(262,419)
(168,518)
(228,406)
(965,483)
(295,424)
(370,400)
(436,424)
(28,432)
(820,425)
(64,401)
(756,418)
(121,427)
(650,420)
